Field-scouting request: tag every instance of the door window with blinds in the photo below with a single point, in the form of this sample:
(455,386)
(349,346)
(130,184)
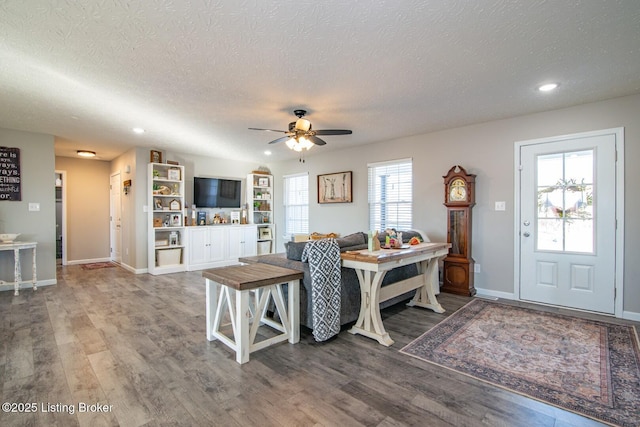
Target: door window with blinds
(391,195)
(296,204)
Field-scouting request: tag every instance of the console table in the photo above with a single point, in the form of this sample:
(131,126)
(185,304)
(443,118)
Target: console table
(371,268)
(16,247)
(236,283)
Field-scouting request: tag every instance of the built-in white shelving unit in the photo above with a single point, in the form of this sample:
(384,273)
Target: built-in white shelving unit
(260,201)
(166,218)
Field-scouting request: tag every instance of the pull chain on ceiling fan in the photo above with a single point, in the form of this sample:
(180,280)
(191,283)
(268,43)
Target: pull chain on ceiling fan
(301,135)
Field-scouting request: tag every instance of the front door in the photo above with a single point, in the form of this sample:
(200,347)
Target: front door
(567,221)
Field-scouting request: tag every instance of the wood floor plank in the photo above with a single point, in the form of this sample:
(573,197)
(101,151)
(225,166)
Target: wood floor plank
(137,342)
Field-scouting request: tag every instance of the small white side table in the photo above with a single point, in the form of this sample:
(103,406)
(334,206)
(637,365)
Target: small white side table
(236,283)
(17,275)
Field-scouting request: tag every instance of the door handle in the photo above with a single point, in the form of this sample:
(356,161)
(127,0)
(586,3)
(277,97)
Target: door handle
(526,234)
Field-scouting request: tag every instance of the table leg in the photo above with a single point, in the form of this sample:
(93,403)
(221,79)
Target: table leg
(17,272)
(425,296)
(243,314)
(211,304)
(34,280)
(293,289)
(369,321)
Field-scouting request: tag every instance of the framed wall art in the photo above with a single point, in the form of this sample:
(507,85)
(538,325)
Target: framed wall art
(155,156)
(335,188)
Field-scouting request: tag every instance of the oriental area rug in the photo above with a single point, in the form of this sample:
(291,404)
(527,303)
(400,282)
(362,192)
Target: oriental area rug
(588,367)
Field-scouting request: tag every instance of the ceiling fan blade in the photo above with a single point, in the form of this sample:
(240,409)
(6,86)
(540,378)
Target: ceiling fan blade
(283,139)
(333,132)
(269,130)
(315,140)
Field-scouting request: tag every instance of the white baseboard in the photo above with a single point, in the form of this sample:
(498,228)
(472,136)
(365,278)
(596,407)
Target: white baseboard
(496,294)
(631,315)
(28,285)
(88,261)
(133,269)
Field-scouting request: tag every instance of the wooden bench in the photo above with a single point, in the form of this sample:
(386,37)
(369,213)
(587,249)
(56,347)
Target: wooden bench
(236,283)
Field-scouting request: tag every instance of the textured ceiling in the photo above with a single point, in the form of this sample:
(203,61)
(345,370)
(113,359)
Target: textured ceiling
(197,73)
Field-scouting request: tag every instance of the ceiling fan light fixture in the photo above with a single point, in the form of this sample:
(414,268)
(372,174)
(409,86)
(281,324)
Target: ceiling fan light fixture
(303,125)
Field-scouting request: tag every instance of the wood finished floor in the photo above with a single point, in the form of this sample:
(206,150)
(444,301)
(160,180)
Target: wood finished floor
(137,343)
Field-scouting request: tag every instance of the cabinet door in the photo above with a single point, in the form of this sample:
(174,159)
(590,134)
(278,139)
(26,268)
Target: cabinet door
(242,242)
(250,238)
(198,245)
(217,244)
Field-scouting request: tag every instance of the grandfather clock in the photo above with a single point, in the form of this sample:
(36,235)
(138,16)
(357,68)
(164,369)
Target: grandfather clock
(459,198)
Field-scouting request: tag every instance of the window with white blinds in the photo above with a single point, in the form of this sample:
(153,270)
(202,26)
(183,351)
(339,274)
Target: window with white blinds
(296,204)
(391,195)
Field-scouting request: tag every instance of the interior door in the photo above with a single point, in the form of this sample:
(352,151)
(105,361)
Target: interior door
(568,222)
(115,218)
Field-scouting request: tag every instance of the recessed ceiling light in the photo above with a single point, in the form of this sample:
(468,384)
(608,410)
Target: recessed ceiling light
(138,130)
(548,87)
(86,153)
(267,153)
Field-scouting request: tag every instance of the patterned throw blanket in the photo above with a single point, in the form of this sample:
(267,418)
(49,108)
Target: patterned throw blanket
(324,263)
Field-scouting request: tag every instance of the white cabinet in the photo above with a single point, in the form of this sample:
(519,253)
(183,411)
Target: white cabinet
(219,245)
(166,231)
(260,201)
(242,241)
(206,246)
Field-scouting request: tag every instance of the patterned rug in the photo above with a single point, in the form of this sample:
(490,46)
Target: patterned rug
(588,367)
(97,265)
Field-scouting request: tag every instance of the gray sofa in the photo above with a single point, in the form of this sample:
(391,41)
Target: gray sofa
(350,305)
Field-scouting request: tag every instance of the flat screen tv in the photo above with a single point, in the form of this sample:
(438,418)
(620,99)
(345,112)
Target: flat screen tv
(217,192)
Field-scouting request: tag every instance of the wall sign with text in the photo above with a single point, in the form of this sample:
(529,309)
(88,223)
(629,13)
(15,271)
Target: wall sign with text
(10,188)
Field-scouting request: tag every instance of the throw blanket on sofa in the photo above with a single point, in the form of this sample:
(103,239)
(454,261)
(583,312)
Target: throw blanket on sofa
(324,265)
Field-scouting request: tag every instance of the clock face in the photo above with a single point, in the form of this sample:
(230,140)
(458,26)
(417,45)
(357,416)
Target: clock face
(458,191)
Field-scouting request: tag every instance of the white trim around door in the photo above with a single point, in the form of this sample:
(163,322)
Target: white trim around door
(618,135)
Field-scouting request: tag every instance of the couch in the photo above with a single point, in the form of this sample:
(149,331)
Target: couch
(350,294)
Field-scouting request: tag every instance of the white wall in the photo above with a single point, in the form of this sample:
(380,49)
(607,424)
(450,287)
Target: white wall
(487,150)
(37,163)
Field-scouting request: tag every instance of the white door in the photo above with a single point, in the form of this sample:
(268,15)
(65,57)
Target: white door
(115,218)
(567,222)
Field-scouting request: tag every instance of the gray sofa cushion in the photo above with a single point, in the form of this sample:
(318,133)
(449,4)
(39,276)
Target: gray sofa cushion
(294,250)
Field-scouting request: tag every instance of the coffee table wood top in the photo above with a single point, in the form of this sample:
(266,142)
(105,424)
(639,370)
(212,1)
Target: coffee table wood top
(251,276)
(389,255)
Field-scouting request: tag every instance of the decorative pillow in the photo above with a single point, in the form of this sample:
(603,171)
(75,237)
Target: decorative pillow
(294,250)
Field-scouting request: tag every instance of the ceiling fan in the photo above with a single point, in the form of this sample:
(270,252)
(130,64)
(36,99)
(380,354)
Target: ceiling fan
(301,135)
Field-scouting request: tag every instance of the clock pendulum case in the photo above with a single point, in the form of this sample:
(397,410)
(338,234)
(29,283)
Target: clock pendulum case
(459,198)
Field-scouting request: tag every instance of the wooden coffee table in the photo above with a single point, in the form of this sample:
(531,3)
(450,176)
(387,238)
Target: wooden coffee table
(236,284)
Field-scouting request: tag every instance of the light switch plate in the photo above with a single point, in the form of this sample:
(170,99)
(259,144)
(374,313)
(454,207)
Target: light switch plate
(501,206)
(34,207)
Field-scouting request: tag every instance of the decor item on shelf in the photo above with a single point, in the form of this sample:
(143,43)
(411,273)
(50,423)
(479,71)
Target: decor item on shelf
(202,218)
(173,174)
(265,233)
(9,237)
(301,136)
(174,205)
(157,222)
(173,238)
(155,156)
(235,217)
(335,188)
